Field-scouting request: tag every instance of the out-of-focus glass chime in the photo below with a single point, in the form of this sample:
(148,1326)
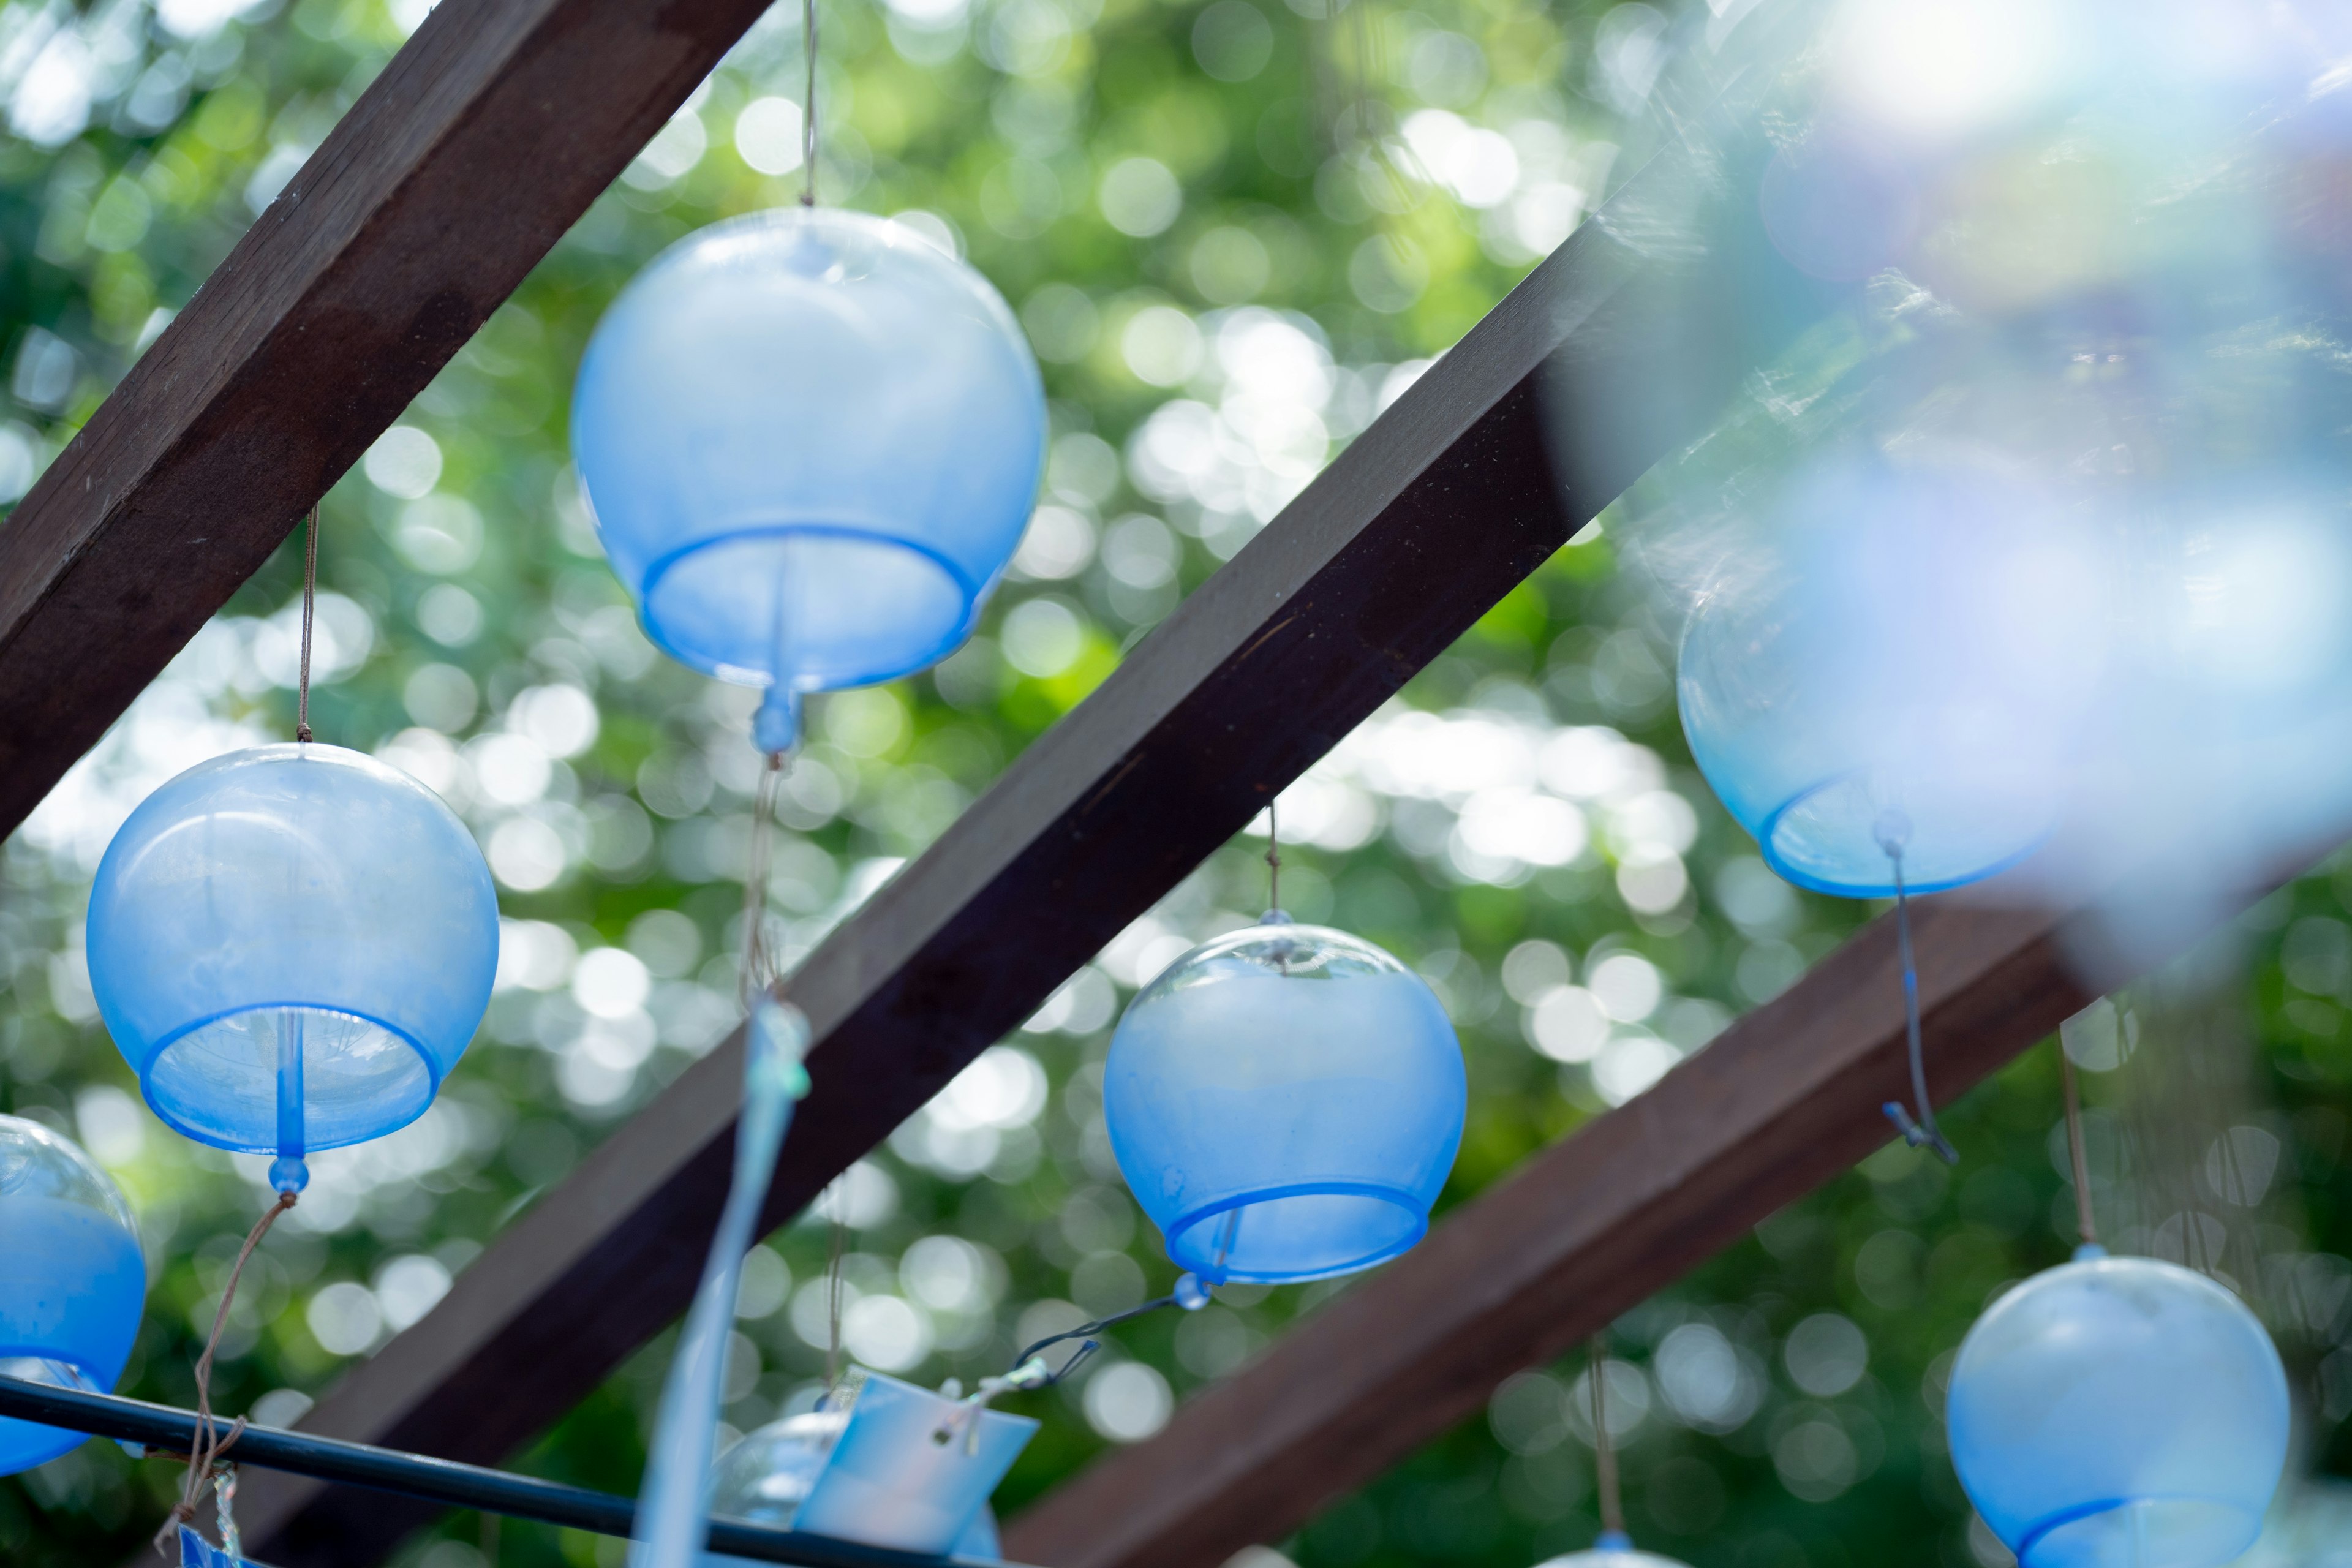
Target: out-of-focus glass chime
(2038,511)
(73,1282)
(2035,520)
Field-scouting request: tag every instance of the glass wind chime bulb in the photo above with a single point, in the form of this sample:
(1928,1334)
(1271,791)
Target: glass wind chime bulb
(1901,644)
(812,440)
(291,946)
(2120,1412)
(73,1282)
(1285,1102)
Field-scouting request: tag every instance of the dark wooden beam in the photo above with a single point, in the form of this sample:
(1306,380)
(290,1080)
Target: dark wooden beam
(1443,507)
(479,144)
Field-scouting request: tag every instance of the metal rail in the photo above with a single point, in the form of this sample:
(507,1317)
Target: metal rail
(443,1481)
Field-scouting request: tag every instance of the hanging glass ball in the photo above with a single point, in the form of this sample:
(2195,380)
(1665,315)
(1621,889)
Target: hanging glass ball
(1902,657)
(1285,1102)
(763,1479)
(812,440)
(2120,1412)
(73,1282)
(291,946)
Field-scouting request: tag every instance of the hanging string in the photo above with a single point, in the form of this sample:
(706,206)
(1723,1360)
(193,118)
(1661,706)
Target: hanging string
(1604,1451)
(211,1443)
(1029,1370)
(2086,1225)
(808,105)
(1922,1134)
(309,612)
(760,975)
(833,1289)
(1273,860)
(760,961)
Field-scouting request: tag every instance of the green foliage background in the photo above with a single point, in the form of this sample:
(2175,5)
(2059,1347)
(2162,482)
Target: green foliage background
(1317,191)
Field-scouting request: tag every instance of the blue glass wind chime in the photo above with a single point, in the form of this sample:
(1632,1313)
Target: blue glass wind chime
(838,523)
(1286,1101)
(291,946)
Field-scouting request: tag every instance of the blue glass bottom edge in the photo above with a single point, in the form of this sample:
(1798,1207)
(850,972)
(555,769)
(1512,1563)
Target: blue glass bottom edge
(1190,1221)
(433,1076)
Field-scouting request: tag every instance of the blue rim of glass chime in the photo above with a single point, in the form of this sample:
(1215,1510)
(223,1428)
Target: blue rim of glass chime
(972,594)
(1767,845)
(1190,1247)
(313,1140)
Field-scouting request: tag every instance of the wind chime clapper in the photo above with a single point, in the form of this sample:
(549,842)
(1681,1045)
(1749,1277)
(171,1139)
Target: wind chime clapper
(164,1430)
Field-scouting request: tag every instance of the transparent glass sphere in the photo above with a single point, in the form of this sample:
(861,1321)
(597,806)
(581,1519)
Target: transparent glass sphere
(812,440)
(766,1477)
(1285,1102)
(291,946)
(1908,661)
(2120,1412)
(73,1282)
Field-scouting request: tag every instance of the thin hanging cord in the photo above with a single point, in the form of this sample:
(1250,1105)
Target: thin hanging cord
(211,1443)
(2086,1225)
(808,105)
(1273,860)
(1029,1370)
(833,1294)
(1604,1452)
(760,975)
(309,612)
(1922,1134)
(759,960)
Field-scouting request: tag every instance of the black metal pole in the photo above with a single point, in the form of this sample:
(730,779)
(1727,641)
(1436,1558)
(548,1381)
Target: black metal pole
(442,1481)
